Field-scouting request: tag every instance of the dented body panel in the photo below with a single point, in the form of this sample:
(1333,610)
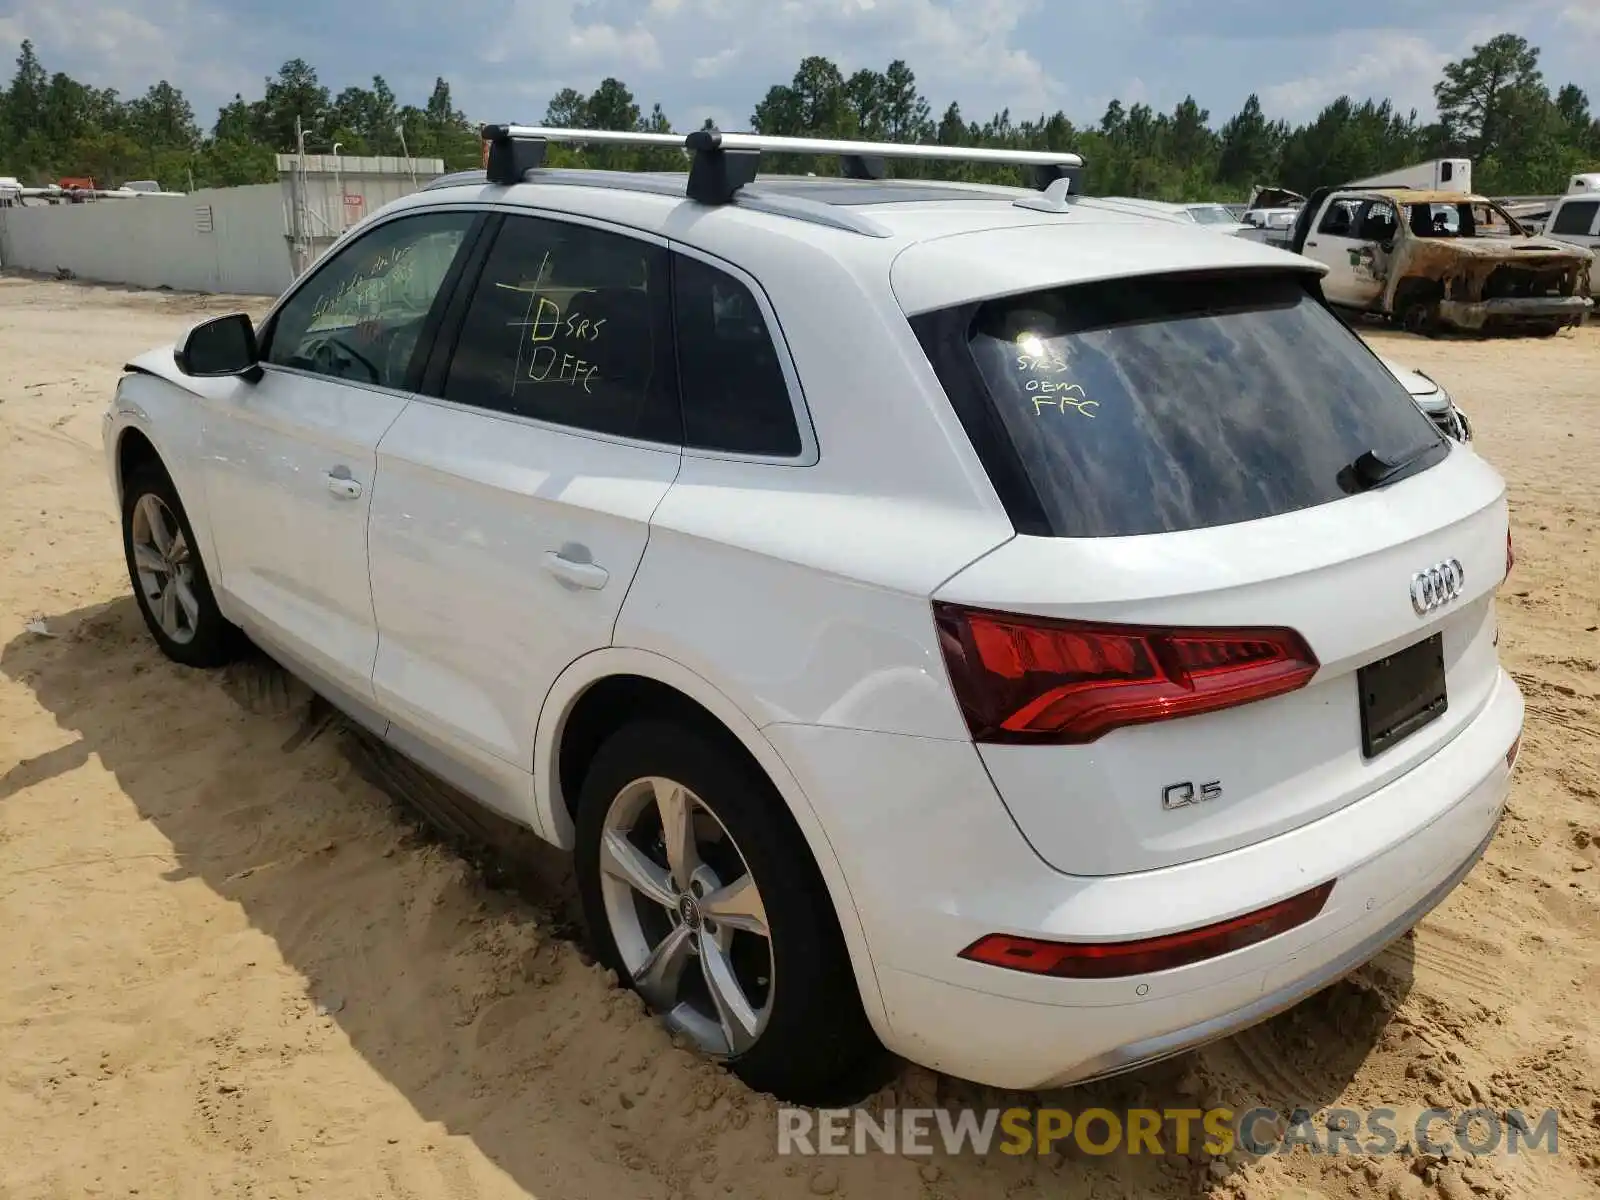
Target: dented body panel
(1454,276)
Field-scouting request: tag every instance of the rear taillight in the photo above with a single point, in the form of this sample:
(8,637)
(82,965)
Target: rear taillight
(1511,557)
(1023,679)
(1117,960)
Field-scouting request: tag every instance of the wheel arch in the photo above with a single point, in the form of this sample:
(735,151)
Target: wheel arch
(135,449)
(605,677)
(155,421)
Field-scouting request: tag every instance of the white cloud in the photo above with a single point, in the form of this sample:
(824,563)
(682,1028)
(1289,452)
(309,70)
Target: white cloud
(563,41)
(1390,64)
(1584,16)
(133,44)
(713,65)
(958,49)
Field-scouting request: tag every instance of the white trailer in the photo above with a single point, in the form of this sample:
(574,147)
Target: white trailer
(1440,175)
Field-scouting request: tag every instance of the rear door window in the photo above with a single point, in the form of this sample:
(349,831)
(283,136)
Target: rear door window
(572,325)
(1378,222)
(1163,404)
(1340,219)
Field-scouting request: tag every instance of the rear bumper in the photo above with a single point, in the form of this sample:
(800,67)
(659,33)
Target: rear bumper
(1464,314)
(1210,1029)
(933,864)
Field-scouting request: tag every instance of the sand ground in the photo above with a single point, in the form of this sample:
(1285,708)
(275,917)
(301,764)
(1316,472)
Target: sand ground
(231,966)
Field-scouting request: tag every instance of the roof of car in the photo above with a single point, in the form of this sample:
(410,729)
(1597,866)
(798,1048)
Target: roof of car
(985,263)
(1423,196)
(946,241)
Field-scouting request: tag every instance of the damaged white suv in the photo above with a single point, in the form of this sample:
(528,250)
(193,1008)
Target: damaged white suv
(977,621)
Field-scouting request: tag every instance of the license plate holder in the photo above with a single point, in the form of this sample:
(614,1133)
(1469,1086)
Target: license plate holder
(1400,694)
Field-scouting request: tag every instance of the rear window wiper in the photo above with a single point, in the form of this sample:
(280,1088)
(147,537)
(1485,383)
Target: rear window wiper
(1371,470)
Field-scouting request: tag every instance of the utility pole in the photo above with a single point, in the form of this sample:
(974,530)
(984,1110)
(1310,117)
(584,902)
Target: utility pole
(301,216)
(411,163)
(338,184)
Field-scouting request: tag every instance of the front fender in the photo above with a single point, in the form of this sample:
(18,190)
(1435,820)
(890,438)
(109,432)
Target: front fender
(172,421)
(555,823)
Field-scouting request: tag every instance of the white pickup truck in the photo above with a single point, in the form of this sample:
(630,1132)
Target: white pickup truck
(1576,216)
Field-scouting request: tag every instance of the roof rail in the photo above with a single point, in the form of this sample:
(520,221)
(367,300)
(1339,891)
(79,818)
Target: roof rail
(454,179)
(722,163)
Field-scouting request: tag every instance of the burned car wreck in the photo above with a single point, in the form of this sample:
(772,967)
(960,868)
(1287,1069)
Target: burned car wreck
(1434,260)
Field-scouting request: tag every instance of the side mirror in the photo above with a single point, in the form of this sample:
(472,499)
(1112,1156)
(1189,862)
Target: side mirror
(221,348)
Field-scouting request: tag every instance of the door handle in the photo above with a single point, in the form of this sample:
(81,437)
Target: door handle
(342,485)
(569,564)
(1311,243)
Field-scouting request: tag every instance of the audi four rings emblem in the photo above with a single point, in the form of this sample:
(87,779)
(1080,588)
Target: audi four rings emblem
(1437,586)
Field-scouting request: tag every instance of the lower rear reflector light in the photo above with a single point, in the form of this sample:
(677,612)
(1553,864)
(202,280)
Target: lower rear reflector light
(1025,679)
(1511,754)
(1116,960)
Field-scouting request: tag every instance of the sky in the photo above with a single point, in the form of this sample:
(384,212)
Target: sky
(716,58)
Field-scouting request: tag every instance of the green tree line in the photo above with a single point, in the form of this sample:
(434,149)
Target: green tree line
(1494,107)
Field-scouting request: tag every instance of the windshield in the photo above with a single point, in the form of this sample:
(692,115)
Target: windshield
(1211,214)
(1465,219)
(1170,403)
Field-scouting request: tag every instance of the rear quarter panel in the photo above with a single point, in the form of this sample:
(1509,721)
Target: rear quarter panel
(803,590)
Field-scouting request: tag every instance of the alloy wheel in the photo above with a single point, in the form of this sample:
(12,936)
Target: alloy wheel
(163,562)
(687,918)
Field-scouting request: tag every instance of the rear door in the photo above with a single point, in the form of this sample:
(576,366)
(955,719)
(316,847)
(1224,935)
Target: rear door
(516,492)
(1350,239)
(1220,621)
(290,461)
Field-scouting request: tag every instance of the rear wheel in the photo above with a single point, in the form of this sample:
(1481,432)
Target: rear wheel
(169,580)
(701,895)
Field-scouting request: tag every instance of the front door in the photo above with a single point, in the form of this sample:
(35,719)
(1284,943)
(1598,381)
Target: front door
(1578,222)
(514,497)
(291,459)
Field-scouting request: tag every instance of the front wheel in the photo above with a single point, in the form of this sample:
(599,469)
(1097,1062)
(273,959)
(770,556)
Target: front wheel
(701,895)
(169,580)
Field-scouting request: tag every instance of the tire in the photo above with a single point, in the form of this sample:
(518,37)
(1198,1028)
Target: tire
(812,1043)
(200,636)
(1416,306)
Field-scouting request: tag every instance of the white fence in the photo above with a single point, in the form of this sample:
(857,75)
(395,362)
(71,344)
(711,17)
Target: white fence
(247,240)
(218,240)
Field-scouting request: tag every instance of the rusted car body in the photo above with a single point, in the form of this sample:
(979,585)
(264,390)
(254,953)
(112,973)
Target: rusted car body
(1431,259)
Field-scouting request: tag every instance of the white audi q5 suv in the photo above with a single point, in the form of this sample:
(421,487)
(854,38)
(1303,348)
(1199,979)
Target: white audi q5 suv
(973,620)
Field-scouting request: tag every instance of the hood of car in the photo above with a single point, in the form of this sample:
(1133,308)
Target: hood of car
(1521,250)
(1428,395)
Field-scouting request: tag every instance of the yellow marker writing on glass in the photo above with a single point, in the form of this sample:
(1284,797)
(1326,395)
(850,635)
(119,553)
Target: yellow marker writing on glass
(1059,397)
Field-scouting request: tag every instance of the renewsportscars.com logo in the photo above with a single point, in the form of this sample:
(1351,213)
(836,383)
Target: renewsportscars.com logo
(1175,1131)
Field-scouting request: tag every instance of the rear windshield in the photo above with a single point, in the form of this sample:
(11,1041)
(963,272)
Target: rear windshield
(1163,404)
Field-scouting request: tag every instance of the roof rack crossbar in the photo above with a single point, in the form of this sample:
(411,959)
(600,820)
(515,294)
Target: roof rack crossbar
(725,162)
